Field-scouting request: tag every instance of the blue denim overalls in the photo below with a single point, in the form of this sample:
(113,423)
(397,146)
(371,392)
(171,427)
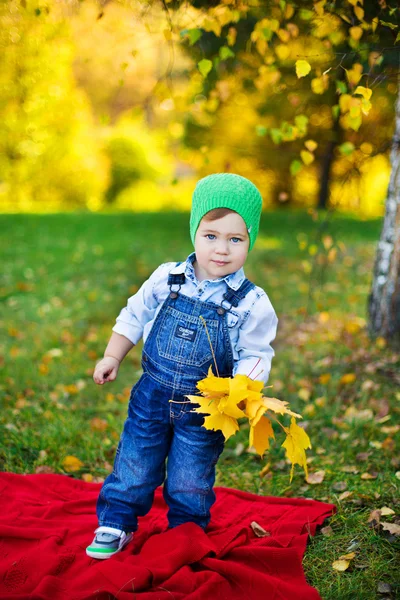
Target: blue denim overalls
(161,422)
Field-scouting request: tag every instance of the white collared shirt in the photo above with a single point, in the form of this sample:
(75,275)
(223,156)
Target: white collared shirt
(252,324)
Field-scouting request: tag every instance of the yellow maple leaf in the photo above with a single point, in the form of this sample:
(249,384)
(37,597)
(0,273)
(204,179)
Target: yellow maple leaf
(214,386)
(207,405)
(279,406)
(238,388)
(218,421)
(295,444)
(228,406)
(260,434)
(254,402)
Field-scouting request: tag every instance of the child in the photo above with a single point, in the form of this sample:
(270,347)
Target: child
(166,311)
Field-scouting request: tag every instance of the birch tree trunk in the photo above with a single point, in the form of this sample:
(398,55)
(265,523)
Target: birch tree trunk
(384,299)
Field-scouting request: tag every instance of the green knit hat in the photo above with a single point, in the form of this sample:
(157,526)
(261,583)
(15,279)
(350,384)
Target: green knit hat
(227,190)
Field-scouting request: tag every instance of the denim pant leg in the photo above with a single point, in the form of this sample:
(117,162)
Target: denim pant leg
(194,452)
(139,465)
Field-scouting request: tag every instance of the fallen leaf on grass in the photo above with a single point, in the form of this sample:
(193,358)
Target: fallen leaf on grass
(340,565)
(315,478)
(374,518)
(392,528)
(340,486)
(385,511)
(347,378)
(350,469)
(345,495)
(384,588)
(369,476)
(72,463)
(328,531)
(44,469)
(343,562)
(352,414)
(97,424)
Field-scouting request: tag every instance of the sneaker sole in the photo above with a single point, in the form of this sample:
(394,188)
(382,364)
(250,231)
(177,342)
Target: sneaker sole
(102,554)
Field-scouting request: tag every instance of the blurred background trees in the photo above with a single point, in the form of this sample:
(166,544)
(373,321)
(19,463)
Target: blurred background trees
(125,104)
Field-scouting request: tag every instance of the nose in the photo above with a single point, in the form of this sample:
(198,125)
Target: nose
(222,247)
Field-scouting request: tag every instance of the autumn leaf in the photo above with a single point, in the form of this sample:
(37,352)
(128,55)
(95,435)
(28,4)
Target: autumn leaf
(207,405)
(260,434)
(347,378)
(363,91)
(205,66)
(392,528)
(307,157)
(223,400)
(343,562)
(218,421)
(311,145)
(72,463)
(280,407)
(295,444)
(302,68)
(213,386)
(315,478)
(228,406)
(340,565)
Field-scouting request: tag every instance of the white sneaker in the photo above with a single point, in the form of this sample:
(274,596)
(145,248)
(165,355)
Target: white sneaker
(108,541)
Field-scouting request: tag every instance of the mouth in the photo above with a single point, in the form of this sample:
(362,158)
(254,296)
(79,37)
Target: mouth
(220,263)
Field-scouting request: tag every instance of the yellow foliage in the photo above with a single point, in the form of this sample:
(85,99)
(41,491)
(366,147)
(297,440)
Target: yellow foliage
(296,443)
(302,68)
(260,434)
(311,145)
(320,84)
(282,51)
(71,464)
(307,157)
(356,32)
(354,74)
(223,400)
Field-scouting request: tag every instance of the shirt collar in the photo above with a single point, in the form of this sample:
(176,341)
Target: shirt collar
(233,280)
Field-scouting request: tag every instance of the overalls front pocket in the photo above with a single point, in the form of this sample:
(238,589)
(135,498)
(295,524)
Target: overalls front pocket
(182,338)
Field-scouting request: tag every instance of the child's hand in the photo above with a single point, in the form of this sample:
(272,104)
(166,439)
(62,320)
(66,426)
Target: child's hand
(106,370)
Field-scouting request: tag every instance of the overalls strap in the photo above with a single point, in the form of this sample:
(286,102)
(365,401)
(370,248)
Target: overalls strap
(235,296)
(176,278)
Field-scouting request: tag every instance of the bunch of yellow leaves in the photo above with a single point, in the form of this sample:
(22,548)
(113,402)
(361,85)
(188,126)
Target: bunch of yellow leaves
(226,399)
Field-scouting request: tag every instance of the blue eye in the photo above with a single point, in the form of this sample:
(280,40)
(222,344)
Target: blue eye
(237,239)
(210,236)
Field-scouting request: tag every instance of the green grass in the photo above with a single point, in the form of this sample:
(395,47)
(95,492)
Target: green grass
(65,278)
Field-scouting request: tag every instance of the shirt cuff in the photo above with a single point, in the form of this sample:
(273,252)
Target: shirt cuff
(133,334)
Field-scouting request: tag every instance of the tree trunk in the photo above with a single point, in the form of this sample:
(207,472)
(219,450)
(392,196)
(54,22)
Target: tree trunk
(327,165)
(384,299)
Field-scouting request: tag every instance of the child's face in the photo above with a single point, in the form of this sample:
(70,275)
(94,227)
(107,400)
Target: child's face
(221,246)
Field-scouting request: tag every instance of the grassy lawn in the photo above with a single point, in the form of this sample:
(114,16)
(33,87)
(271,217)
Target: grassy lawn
(65,279)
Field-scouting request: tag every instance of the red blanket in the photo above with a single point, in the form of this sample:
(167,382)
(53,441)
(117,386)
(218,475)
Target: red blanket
(46,522)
